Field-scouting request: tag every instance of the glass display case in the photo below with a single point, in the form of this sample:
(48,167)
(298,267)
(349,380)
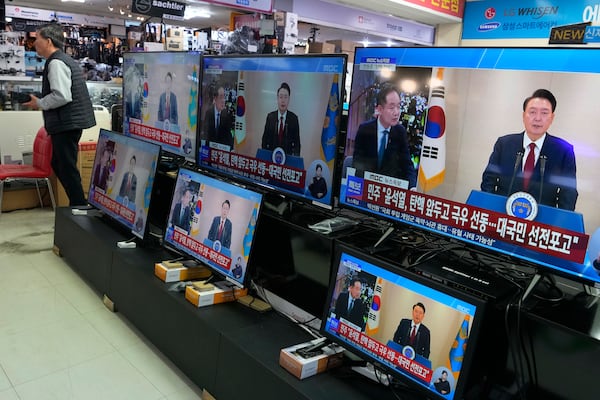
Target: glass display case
(104,94)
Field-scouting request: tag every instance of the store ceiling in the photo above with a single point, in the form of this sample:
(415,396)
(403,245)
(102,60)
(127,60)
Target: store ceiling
(219,15)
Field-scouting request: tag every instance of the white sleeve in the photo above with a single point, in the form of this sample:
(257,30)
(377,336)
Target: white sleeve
(59,77)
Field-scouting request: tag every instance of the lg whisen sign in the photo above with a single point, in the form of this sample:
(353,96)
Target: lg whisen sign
(159,8)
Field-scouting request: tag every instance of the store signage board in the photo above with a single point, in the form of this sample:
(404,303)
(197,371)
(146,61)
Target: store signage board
(338,16)
(65,18)
(526,19)
(265,6)
(159,8)
(454,8)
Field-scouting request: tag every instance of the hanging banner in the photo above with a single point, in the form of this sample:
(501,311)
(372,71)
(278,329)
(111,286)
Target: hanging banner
(34,14)
(454,8)
(158,8)
(265,6)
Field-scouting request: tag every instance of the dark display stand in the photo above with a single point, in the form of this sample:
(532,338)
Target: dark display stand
(219,345)
(227,349)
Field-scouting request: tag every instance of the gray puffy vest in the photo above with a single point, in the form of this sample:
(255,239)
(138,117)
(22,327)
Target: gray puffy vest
(79,113)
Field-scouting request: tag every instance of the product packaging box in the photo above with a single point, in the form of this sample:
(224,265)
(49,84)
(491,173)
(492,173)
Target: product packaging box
(304,364)
(85,164)
(175,272)
(222,292)
(318,47)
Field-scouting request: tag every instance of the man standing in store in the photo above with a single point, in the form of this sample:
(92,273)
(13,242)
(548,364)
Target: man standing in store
(66,107)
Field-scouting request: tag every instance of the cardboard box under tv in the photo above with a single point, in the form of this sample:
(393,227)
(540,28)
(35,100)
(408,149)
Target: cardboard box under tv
(302,367)
(223,292)
(85,164)
(180,273)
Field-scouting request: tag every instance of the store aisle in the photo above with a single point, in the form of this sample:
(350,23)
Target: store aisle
(57,340)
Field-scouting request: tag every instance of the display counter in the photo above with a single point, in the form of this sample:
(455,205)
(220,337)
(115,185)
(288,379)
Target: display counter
(228,349)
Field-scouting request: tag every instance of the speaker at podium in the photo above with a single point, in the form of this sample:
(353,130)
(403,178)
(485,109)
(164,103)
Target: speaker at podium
(565,219)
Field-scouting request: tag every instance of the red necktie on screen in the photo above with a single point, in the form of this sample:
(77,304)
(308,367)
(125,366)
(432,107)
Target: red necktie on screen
(280,133)
(220,231)
(413,333)
(529,165)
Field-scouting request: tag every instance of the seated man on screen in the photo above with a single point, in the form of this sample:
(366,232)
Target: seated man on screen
(534,161)
(167,104)
(221,226)
(129,182)
(441,384)
(217,121)
(181,212)
(350,306)
(282,128)
(381,144)
(102,172)
(413,333)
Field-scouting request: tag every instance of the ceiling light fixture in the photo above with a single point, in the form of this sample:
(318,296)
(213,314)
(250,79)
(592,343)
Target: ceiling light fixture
(73,1)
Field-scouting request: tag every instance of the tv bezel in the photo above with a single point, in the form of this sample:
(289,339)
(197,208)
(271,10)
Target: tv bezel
(177,158)
(276,190)
(475,331)
(151,178)
(248,273)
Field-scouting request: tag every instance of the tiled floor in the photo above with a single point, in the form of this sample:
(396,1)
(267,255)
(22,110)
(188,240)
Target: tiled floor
(57,340)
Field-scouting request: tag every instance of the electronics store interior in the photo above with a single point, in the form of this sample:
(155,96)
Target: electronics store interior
(316,226)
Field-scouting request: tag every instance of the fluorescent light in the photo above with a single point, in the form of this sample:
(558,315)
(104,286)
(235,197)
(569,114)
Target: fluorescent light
(73,1)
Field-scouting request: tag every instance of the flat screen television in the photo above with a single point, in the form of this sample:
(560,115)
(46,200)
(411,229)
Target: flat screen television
(160,100)
(122,179)
(274,120)
(213,221)
(462,112)
(419,332)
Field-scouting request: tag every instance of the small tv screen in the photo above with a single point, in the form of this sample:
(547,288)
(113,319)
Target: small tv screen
(213,221)
(274,120)
(458,124)
(160,99)
(420,333)
(122,179)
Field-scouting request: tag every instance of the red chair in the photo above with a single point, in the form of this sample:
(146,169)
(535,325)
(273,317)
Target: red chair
(40,169)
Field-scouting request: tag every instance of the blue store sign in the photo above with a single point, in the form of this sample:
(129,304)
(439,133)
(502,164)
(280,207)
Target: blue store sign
(529,19)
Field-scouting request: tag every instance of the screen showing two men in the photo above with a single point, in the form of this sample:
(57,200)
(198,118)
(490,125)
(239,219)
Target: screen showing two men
(438,138)
(160,99)
(414,331)
(274,120)
(213,221)
(122,179)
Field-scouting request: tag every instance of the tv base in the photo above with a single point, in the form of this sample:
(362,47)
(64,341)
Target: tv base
(372,373)
(297,315)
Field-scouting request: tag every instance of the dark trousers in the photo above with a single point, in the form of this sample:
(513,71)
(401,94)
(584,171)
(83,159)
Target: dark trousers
(65,146)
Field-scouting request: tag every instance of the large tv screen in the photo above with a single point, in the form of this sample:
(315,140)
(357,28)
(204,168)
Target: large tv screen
(122,179)
(421,333)
(213,221)
(458,148)
(160,99)
(274,120)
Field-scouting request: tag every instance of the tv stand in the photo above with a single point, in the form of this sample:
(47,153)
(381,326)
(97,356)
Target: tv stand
(215,345)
